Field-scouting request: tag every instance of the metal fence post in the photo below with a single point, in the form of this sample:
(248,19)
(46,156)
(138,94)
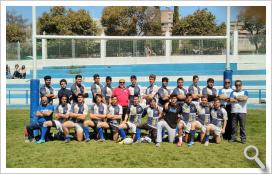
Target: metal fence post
(26,96)
(260,96)
(18,51)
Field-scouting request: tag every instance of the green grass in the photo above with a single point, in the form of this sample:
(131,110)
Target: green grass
(56,154)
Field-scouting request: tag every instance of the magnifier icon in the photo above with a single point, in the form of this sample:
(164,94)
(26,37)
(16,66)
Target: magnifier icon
(255,157)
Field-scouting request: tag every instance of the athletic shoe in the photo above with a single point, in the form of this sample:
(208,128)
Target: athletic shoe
(232,141)
(165,136)
(243,141)
(87,139)
(121,142)
(40,141)
(179,144)
(190,144)
(137,142)
(67,140)
(101,140)
(206,143)
(158,145)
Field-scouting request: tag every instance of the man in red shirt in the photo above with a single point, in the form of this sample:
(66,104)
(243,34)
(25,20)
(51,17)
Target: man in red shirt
(122,93)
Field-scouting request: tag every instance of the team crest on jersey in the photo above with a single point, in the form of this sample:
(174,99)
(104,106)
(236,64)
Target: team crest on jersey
(186,108)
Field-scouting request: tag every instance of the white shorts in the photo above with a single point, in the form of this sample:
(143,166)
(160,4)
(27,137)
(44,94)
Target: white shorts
(187,126)
(202,127)
(216,129)
(77,126)
(58,125)
(132,127)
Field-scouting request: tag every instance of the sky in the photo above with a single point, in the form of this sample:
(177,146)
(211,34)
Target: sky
(96,11)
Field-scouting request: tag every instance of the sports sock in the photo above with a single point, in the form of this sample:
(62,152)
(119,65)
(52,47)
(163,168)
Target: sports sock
(192,134)
(100,132)
(44,131)
(207,137)
(86,132)
(138,133)
(122,133)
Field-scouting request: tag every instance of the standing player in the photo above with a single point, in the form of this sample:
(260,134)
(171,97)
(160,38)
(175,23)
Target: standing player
(180,91)
(96,87)
(107,90)
(152,90)
(238,99)
(64,91)
(62,114)
(114,116)
(78,114)
(169,121)
(154,113)
(97,119)
(224,96)
(163,92)
(195,90)
(188,112)
(47,90)
(218,124)
(78,88)
(134,89)
(210,91)
(132,119)
(44,113)
(122,94)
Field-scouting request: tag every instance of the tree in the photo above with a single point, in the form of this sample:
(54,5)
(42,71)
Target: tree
(254,18)
(15,27)
(200,23)
(67,22)
(131,21)
(176,15)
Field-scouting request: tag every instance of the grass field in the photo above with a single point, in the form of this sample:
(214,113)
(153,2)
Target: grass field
(57,154)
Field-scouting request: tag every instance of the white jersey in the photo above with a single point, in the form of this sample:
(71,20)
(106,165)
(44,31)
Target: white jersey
(226,92)
(239,107)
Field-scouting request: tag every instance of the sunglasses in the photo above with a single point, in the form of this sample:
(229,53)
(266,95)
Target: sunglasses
(227,82)
(238,85)
(121,82)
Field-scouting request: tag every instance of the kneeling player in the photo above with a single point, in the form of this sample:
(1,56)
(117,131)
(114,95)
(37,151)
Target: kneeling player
(113,117)
(97,119)
(154,113)
(218,124)
(62,115)
(203,117)
(188,112)
(132,119)
(77,116)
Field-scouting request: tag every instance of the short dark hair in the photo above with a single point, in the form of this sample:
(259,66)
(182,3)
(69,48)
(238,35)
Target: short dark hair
(47,77)
(113,96)
(133,77)
(216,99)
(173,95)
(64,95)
(236,81)
(78,76)
(189,95)
(210,80)
(204,96)
(195,76)
(152,76)
(136,96)
(165,79)
(63,80)
(108,78)
(95,76)
(180,79)
(98,95)
(80,95)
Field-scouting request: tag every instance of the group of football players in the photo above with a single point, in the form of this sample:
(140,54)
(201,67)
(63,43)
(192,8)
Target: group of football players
(179,115)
